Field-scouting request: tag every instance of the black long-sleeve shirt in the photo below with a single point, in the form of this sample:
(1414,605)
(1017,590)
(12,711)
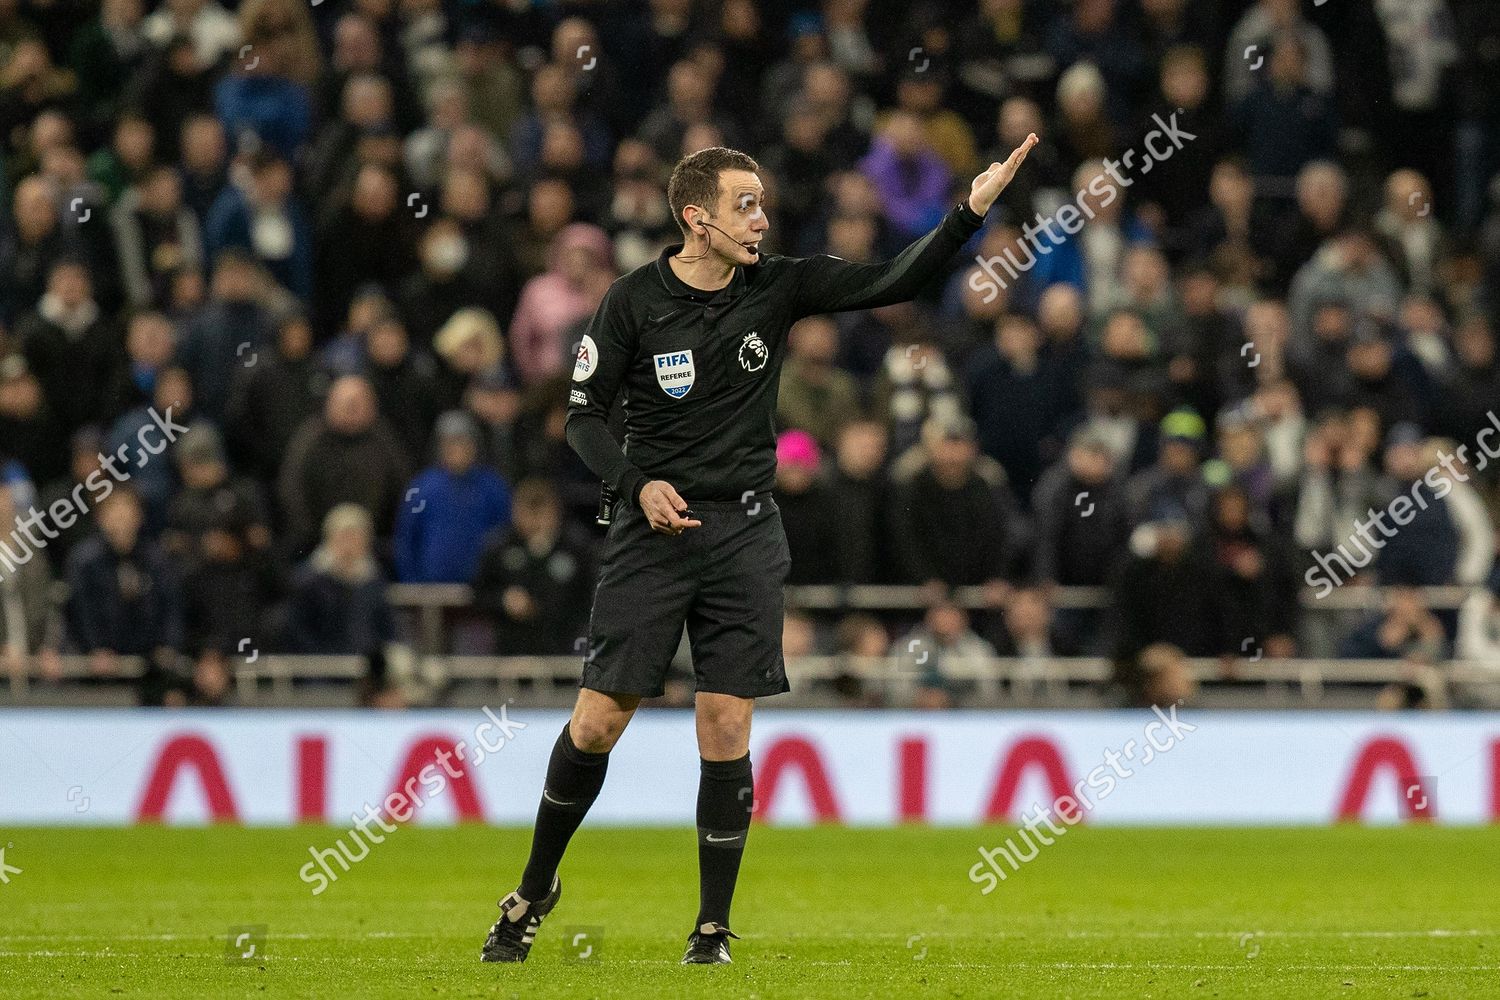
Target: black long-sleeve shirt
(700,370)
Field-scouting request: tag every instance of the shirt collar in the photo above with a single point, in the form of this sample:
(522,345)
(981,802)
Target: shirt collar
(679,289)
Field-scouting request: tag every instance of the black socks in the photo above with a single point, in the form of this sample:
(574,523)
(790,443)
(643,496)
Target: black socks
(573,782)
(726,793)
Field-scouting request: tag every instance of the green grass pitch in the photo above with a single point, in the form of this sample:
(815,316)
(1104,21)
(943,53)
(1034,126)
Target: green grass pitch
(1119,913)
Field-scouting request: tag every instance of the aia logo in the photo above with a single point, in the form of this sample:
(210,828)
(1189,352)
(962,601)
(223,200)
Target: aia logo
(753,352)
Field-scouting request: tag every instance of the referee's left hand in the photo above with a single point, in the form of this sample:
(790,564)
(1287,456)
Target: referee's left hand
(660,503)
(988,185)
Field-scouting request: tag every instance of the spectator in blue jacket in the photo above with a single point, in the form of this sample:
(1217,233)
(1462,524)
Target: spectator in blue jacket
(449,508)
(267,220)
(265,99)
(123,597)
(227,335)
(1012,395)
(1283,122)
(1424,547)
(1086,247)
(144,440)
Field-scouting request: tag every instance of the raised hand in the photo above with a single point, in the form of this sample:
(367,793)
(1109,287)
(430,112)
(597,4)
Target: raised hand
(988,185)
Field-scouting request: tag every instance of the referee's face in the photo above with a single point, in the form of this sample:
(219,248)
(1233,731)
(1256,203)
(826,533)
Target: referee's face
(741,214)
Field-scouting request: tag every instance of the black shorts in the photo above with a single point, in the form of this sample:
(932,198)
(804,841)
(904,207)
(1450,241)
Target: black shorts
(721,579)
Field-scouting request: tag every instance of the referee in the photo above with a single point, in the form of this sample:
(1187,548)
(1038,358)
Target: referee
(695,342)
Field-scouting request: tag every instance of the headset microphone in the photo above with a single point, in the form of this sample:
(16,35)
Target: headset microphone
(699,256)
(748,246)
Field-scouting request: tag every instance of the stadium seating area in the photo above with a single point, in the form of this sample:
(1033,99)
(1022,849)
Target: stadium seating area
(289,295)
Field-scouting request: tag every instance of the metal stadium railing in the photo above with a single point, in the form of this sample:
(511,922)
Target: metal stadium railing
(272,679)
(284,681)
(430,600)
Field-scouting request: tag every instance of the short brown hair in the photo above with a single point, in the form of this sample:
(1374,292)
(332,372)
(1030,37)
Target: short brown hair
(695,179)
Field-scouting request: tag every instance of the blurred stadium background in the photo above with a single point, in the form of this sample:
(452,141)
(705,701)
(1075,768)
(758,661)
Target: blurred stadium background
(298,285)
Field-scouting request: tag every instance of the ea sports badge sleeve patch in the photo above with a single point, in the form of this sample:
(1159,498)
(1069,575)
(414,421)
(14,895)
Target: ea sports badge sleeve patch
(587,361)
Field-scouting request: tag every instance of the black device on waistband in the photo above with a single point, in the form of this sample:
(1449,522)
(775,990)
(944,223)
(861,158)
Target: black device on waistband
(607,498)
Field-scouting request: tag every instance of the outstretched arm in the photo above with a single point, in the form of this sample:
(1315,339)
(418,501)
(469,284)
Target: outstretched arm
(828,284)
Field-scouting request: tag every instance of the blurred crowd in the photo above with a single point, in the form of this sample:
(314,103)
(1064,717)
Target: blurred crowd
(350,248)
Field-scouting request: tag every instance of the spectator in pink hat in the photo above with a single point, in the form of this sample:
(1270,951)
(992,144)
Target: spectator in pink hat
(807,510)
(580,266)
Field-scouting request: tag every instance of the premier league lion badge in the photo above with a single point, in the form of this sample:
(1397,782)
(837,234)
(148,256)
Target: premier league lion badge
(753,352)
